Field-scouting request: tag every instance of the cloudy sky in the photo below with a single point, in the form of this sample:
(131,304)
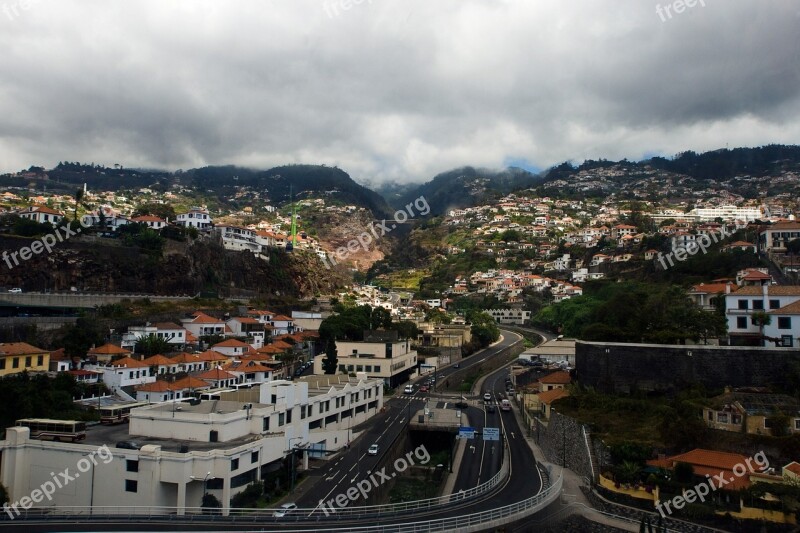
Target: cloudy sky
(391,89)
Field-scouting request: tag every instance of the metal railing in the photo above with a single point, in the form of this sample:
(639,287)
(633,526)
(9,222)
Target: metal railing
(191,513)
(463,523)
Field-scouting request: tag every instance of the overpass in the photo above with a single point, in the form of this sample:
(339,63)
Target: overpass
(78,300)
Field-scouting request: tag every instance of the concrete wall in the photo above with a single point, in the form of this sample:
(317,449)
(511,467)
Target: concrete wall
(621,368)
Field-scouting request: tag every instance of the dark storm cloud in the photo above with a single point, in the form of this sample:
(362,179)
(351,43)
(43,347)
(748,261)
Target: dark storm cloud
(390,89)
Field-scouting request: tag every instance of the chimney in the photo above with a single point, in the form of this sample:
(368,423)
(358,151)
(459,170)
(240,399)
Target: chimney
(728,288)
(765,291)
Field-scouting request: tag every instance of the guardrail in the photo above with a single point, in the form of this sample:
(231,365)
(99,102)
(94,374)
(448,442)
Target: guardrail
(249,514)
(473,522)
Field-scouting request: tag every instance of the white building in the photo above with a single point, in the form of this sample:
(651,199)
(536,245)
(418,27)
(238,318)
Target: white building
(391,360)
(174,334)
(777,236)
(510,316)
(780,302)
(196,218)
(727,212)
(41,214)
(220,446)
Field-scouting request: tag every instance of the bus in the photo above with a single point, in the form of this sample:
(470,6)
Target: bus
(505,405)
(57,430)
(119,413)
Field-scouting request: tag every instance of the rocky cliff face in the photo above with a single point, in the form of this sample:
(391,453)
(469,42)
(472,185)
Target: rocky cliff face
(104,265)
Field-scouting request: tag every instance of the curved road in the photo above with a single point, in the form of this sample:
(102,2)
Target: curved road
(523,482)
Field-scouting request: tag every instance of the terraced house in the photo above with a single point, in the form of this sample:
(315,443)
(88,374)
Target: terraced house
(16,357)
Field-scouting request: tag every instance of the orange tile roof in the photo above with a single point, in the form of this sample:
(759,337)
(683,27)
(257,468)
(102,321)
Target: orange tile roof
(156,386)
(186,358)
(713,288)
(270,349)
(202,318)
(700,457)
(773,290)
(159,359)
(148,218)
(231,343)
(756,275)
(127,362)
(282,318)
(258,357)
(108,349)
(19,348)
(281,344)
(245,320)
(552,395)
(791,309)
(190,382)
(167,325)
(215,374)
(211,355)
(793,467)
(557,378)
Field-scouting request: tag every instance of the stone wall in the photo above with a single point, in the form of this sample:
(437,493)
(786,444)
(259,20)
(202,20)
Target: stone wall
(622,368)
(562,442)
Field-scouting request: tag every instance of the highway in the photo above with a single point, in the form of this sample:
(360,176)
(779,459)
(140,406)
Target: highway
(355,464)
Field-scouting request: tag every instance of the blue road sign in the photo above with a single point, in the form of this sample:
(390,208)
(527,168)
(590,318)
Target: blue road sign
(466,432)
(491,433)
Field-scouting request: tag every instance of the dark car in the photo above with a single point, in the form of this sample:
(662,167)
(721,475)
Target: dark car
(128,445)
(461,405)
(490,408)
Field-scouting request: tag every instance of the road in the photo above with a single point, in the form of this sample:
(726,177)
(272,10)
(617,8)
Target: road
(524,478)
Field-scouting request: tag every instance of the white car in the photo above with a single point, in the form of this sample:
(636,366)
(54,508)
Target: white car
(409,389)
(15,290)
(285,509)
(373,450)
(487,397)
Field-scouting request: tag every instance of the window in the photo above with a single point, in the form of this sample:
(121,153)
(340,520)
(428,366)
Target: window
(28,360)
(774,304)
(2,363)
(265,426)
(758,304)
(722,418)
(281,419)
(784,322)
(289,416)
(234,464)
(711,416)
(797,423)
(736,419)
(742,304)
(15,362)
(131,485)
(254,457)
(741,322)
(39,360)
(377,368)
(131,466)
(787,341)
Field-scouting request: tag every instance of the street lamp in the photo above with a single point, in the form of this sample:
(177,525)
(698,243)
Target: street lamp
(291,461)
(205,484)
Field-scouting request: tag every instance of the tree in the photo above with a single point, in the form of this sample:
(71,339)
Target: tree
(761,319)
(78,199)
(3,494)
(152,344)
(331,361)
(210,503)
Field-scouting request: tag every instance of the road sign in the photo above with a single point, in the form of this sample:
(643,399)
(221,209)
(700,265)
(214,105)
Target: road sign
(491,433)
(466,433)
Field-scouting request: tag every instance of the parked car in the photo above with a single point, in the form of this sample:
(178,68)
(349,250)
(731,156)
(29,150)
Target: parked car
(128,445)
(457,365)
(16,289)
(424,388)
(373,450)
(284,509)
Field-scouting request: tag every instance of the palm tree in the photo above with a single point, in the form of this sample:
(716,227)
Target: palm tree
(78,200)
(761,319)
